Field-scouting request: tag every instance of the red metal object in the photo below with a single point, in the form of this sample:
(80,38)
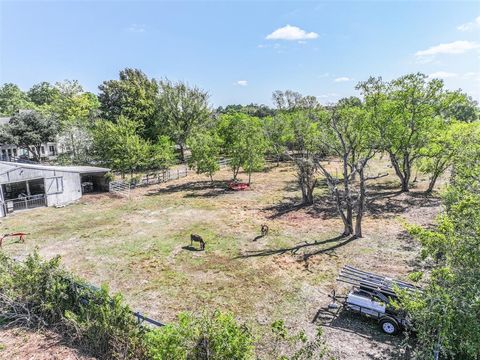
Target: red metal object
(21,237)
(237,186)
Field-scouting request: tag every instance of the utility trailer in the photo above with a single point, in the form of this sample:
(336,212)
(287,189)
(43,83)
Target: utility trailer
(371,295)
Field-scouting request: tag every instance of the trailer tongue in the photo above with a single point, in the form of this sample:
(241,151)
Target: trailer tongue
(371,295)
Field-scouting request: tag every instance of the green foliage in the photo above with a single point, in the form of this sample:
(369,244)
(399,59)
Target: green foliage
(133,96)
(205,147)
(12,99)
(76,111)
(446,314)
(161,154)
(244,143)
(38,293)
(405,111)
(260,111)
(182,110)
(43,93)
(445,141)
(216,336)
(119,146)
(29,130)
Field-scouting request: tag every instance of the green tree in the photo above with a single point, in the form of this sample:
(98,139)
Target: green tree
(459,106)
(182,109)
(161,154)
(205,147)
(445,142)
(134,96)
(278,132)
(43,93)
(29,130)
(446,314)
(406,109)
(302,136)
(244,143)
(13,99)
(76,111)
(119,146)
(347,133)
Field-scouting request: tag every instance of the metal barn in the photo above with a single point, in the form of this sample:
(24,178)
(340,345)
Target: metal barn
(26,186)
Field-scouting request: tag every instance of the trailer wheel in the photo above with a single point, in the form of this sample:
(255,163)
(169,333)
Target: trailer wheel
(389,326)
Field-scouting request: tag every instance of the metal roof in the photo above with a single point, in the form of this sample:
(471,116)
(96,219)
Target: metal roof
(6,166)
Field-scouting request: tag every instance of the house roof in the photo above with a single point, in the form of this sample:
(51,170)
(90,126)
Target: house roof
(6,166)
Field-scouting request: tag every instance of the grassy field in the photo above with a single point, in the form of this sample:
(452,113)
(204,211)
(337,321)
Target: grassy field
(140,247)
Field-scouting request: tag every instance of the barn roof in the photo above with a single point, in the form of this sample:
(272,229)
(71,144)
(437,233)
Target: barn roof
(6,166)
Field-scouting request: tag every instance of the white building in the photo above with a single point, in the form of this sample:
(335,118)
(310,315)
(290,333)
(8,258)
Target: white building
(25,186)
(48,151)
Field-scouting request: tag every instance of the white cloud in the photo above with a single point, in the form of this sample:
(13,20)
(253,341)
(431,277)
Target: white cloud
(241,82)
(136,28)
(455,47)
(470,25)
(291,33)
(472,75)
(442,75)
(342,79)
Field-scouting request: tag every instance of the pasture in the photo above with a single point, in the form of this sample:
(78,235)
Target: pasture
(141,247)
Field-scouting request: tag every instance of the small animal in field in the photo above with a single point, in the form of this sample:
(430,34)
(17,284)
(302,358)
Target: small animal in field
(21,237)
(197,238)
(264,229)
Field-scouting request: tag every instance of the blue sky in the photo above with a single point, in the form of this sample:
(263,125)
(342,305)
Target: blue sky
(242,51)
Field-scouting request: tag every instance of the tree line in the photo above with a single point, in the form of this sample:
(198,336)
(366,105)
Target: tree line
(137,123)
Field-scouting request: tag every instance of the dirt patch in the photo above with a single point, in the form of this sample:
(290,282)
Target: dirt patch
(21,344)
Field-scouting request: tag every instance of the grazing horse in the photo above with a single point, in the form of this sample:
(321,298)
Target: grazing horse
(264,230)
(197,238)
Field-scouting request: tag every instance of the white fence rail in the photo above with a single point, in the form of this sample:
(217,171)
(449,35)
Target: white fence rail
(123,188)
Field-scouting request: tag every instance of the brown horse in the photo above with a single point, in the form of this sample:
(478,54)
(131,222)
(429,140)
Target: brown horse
(197,238)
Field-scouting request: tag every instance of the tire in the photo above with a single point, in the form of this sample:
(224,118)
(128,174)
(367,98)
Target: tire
(389,326)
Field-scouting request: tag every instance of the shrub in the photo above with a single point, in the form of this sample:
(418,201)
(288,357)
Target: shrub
(38,293)
(216,336)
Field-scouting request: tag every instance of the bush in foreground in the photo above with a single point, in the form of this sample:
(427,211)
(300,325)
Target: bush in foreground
(37,293)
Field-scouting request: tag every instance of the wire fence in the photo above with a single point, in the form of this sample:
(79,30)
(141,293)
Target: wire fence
(140,318)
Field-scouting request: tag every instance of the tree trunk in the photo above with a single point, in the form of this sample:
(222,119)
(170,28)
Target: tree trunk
(249,177)
(361,205)
(347,198)
(182,153)
(404,178)
(432,182)
(72,141)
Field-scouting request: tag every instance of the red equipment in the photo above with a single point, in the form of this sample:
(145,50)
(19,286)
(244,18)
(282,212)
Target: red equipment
(21,237)
(237,186)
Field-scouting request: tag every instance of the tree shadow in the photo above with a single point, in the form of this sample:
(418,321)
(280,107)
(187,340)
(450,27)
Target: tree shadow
(323,207)
(258,237)
(302,246)
(392,203)
(195,189)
